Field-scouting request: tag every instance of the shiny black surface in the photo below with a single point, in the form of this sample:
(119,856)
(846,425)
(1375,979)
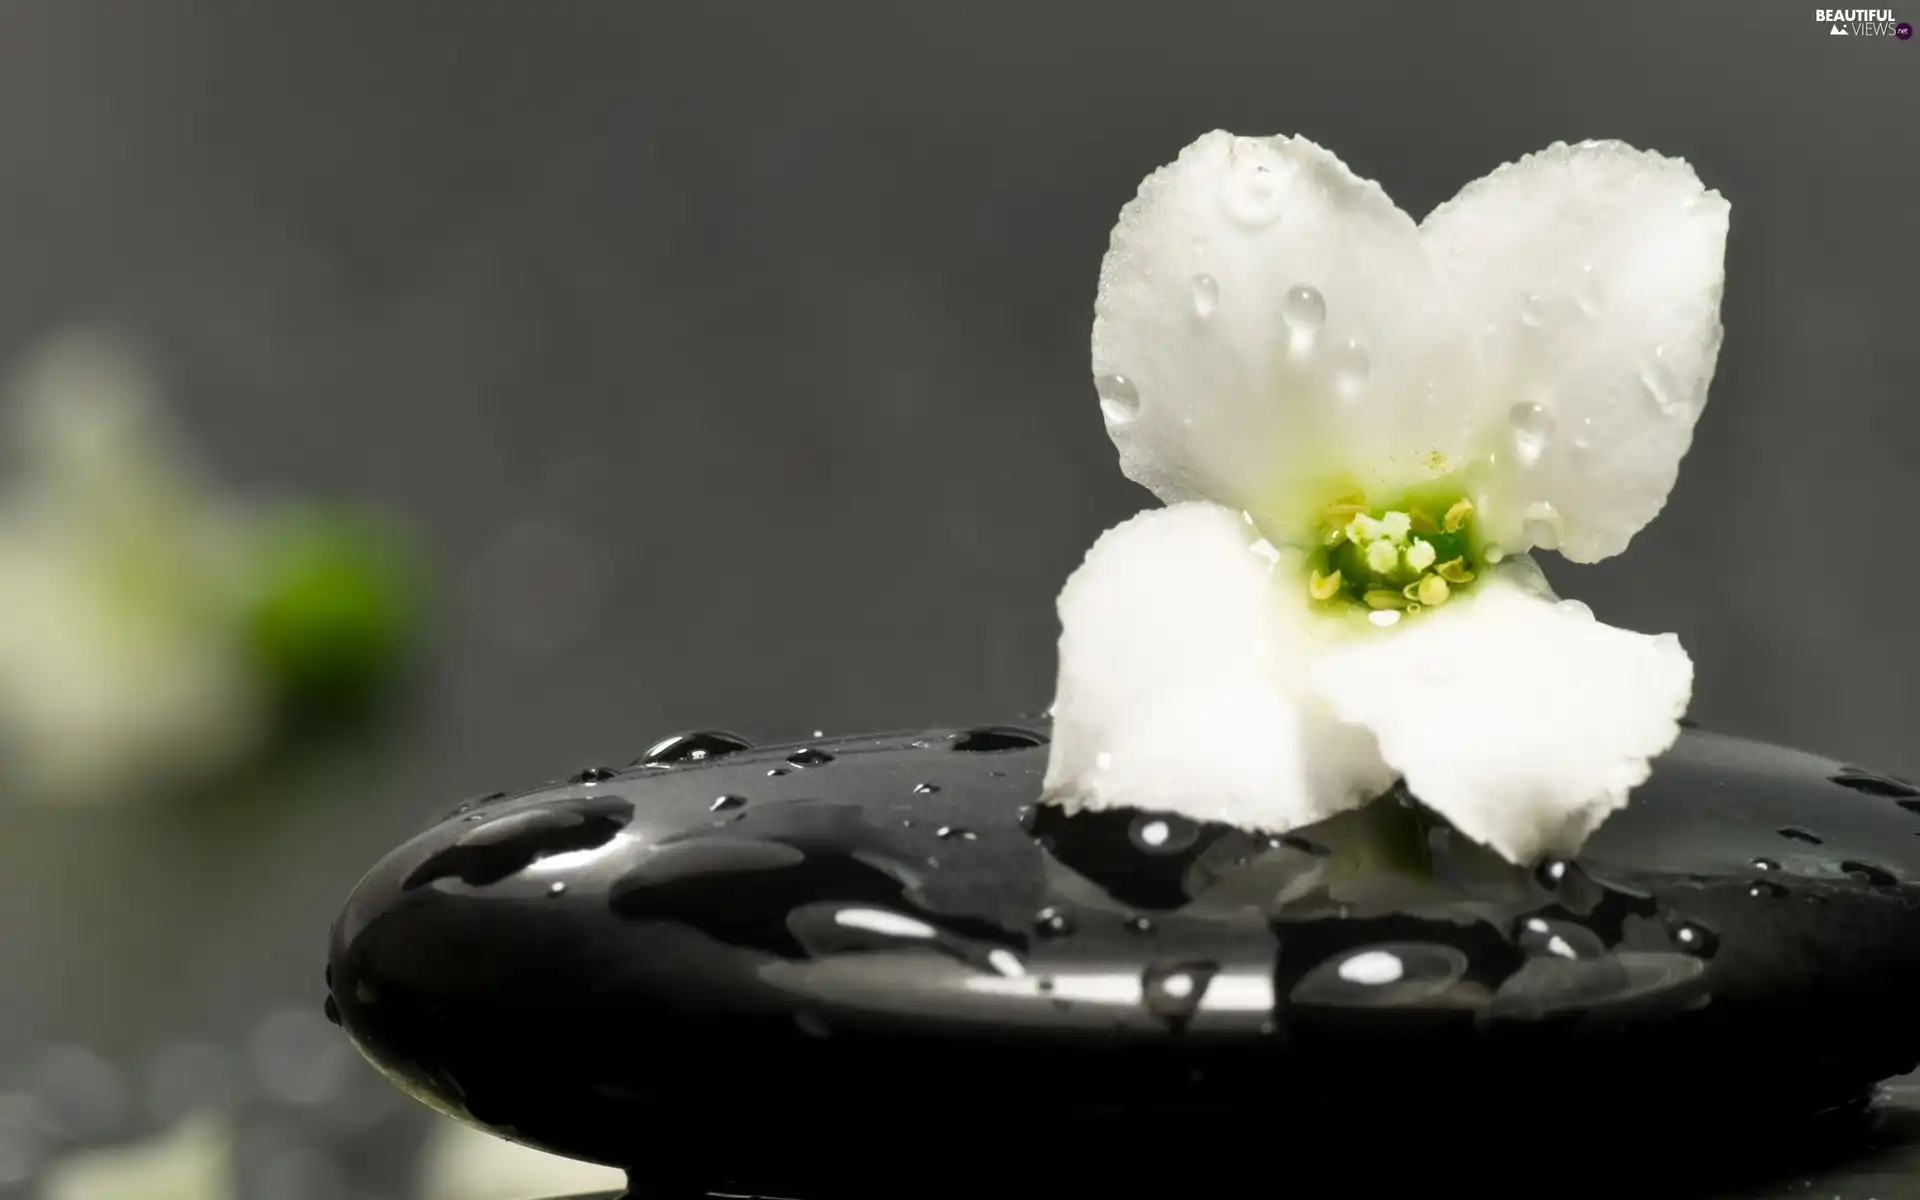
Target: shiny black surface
(791,966)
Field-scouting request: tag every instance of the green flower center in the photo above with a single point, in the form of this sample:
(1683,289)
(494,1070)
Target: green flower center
(1393,561)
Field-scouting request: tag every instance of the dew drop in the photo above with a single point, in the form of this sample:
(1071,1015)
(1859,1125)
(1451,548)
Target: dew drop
(925,789)
(1541,525)
(1206,295)
(775,772)
(556,888)
(1051,922)
(1765,864)
(1533,312)
(1141,925)
(1765,889)
(1351,367)
(1119,399)
(1575,608)
(1162,834)
(723,803)
(955,833)
(1304,309)
(1531,427)
(809,757)
(593,775)
(1694,938)
(1386,618)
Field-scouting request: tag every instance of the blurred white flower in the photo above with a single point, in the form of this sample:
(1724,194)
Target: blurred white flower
(194,1161)
(463,1163)
(1362,424)
(120,589)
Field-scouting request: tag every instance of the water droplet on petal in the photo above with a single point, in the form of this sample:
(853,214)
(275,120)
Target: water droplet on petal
(1351,367)
(1533,312)
(1586,291)
(1206,294)
(1304,309)
(1575,608)
(1531,427)
(1542,525)
(1119,399)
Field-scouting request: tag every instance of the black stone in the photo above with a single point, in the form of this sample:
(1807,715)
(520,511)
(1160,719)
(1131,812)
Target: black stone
(895,950)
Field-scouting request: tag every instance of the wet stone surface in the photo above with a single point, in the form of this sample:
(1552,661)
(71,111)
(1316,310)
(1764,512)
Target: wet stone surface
(724,961)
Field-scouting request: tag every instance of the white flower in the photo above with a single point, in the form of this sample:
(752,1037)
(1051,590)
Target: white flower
(464,1163)
(120,665)
(193,1161)
(1361,425)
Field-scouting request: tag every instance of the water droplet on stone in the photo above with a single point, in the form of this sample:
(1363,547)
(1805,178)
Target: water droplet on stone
(1555,938)
(1158,833)
(1765,889)
(1304,309)
(925,789)
(1694,938)
(1351,367)
(1795,833)
(556,888)
(1869,873)
(1119,399)
(809,757)
(996,739)
(697,746)
(1876,785)
(1141,925)
(955,832)
(1206,295)
(1174,991)
(595,775)
(1531,426)
(332,1010)
(1051,922)
(1765,864)
(723,803)
(486,854)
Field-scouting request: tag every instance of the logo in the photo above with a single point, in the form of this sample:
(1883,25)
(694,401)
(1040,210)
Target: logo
(1862,22)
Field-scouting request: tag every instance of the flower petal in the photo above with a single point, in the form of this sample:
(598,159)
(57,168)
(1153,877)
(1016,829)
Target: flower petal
(1591,276)
(1520,719)
(1182,665)
(1220,379)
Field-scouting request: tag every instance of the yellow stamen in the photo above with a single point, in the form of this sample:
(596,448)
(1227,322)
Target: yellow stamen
(1323,587)
(1433,591)
(1457,515)
(1455,571)
(1385,599)
(1422,523)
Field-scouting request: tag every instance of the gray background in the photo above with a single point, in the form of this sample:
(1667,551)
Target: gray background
(734,356)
